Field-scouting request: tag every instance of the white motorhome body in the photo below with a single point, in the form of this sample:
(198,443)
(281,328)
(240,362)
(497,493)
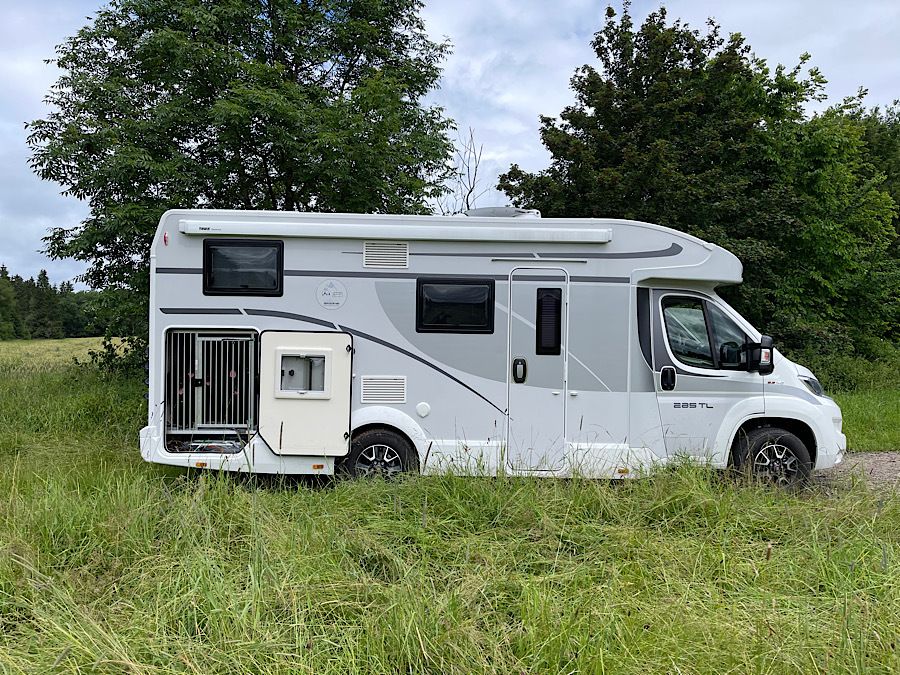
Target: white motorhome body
(522,345)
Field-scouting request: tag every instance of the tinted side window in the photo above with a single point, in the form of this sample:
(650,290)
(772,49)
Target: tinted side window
(548,321)
(686,331)
(643,322)
(455,306)
(729,339)
(243,267)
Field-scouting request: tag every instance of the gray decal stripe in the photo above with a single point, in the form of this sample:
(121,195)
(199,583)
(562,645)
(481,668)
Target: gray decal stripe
(792,391)
(513,254)
(389,275)
(405,275)
(601,280)
(384,343)
(357,275)
(179,270)
(522,275)
(289,315)
(198,310)
(673,250)
(415,275)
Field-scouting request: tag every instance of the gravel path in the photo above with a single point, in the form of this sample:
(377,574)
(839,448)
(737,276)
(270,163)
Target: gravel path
(877,468)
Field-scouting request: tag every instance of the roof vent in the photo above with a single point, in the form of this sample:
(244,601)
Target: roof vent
(390,254)
(502,212)
(383,389)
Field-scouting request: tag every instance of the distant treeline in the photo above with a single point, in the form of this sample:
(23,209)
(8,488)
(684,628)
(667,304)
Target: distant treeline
(34,308)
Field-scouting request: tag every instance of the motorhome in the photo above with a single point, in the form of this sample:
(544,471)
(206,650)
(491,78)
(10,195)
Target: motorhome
(496,341)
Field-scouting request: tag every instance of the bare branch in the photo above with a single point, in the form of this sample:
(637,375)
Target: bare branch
(464,184)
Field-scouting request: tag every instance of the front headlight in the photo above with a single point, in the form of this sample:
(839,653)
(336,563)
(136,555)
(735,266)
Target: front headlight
(813,385)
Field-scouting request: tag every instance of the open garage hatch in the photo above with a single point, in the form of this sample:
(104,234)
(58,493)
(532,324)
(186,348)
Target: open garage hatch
(304,392)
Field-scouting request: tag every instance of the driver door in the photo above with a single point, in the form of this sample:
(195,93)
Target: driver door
(699,370)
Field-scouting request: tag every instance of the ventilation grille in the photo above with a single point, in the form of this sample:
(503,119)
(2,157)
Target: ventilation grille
(383,389)
(390,254)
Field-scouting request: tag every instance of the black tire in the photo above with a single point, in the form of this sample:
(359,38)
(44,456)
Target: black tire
(774,456)
(379,452)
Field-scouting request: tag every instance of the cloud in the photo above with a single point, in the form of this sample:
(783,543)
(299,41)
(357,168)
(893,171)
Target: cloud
(29,207)
(513,61)
(853,44)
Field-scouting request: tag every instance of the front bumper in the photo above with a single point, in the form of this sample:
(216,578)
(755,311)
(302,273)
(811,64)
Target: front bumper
(832,442)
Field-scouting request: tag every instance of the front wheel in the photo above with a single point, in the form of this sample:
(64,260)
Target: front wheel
(379,452)
(774,456)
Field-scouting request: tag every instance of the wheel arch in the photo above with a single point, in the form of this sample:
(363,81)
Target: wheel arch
(382,427)
(799,428)
(390,419)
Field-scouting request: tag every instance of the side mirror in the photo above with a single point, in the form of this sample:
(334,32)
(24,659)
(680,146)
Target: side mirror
(759,356)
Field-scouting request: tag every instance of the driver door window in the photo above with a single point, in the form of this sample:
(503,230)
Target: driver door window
(729,340)
(686,329)
(700,334)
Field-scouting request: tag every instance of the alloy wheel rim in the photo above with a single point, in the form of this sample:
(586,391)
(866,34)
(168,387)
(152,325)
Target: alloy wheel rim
(776,463)
(379,460)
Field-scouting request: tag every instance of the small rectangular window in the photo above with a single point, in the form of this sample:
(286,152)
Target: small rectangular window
(548,321)
(455,305)
(243,267)
(302,373)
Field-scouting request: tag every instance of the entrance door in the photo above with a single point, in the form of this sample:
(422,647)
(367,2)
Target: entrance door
(304,392)
(700,371)
(536,366)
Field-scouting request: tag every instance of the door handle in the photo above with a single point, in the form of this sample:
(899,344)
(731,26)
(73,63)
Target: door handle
(667,378)
(519,370)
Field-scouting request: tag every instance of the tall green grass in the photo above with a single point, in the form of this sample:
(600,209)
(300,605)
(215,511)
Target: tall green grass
(871,419)
(867,391)
(111,565)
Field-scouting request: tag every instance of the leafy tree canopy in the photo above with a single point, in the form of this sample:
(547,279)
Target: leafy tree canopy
(253,104)
(692,131)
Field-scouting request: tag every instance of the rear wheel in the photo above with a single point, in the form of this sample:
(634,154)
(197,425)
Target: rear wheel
(774,456)
(380,452)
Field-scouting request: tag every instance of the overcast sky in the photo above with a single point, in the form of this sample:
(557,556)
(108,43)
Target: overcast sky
(512,61)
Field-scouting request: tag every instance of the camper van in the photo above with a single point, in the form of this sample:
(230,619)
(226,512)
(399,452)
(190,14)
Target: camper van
(491,342)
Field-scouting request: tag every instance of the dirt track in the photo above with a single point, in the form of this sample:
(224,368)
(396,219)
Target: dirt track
(877,468)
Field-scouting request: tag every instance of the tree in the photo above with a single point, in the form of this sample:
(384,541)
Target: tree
(32,308)
(71,310)
(253,104)
(691,131)
(10,319)
(43,309)
(881,131)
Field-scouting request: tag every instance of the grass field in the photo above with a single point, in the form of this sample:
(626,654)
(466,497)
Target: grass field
(871,419)
(110,565)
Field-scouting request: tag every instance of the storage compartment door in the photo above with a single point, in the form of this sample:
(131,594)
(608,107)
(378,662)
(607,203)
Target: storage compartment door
(304,392)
